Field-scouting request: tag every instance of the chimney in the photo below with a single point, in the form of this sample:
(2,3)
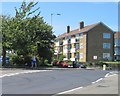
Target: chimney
(81,24)
(68,29)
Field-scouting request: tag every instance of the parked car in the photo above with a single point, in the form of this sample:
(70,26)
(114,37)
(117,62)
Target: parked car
(79,65)
(63,64)
(56,63)
(82,66)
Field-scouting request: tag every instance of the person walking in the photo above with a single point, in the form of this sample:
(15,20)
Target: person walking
(34,62)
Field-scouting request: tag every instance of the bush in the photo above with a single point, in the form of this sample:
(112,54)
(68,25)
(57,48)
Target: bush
(55,63)
(17,60)
(46,62)
(98,64)
(89,64)
(61,57)
(69,62)
(28,61)
(38,61)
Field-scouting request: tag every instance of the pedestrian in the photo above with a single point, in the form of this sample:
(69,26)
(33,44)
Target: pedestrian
(34,62)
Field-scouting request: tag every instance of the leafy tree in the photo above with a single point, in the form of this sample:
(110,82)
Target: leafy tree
(5,35)
(28,34)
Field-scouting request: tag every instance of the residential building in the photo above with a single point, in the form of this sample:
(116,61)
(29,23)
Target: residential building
(90,43)
(117,46)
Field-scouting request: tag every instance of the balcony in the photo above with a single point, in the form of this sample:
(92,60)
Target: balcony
(72,59)
(57,44)
(73,50)
(73,40)
(65,42)
(65,51)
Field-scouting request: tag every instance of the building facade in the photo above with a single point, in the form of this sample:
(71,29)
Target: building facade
(117,46)
(90,43)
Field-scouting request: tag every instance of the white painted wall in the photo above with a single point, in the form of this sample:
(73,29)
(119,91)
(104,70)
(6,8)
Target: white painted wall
(73,40)
(73,50)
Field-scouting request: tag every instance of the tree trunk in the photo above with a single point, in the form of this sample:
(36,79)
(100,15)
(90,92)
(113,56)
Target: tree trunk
(4,56)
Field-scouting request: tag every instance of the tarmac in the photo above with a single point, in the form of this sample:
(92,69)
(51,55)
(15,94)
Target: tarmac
(107,85)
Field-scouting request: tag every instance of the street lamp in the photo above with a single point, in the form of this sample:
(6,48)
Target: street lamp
(52,26)
(52,17)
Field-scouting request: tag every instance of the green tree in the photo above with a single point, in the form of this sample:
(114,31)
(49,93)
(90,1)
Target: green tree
(5,35)
(29,34)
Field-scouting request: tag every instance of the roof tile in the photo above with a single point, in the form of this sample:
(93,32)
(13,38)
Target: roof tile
(117,35)
(76,31)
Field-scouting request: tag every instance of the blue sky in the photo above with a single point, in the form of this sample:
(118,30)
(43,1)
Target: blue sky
(72,13)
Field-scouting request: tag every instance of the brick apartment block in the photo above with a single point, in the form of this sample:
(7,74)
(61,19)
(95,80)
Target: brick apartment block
(117,46)
(90,43)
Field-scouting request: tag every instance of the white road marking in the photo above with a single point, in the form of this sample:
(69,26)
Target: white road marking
(70,90)
(97,80)
(25,72)
(107,75)
(110,74)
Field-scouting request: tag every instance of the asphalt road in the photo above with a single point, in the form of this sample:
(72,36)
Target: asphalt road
(50,82)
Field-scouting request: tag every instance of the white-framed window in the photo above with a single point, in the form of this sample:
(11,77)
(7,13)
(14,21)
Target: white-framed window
(81,45)
(106,35)
(65,47)
(106,55)
(117,51)
(69,47)
(76,46)
(77,55)
(81,55)
(69,55)
(81,35)
(69,37)
(77,40)
(106,45)
(77,35)
(66,37)
(117,42)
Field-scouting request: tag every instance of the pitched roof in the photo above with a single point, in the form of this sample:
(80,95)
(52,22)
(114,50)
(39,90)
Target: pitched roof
(117,35)
(76,31)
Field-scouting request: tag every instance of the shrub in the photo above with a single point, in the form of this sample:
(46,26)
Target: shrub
(69,62)
(89,64)
(46,62)
(61,57)
(17,60)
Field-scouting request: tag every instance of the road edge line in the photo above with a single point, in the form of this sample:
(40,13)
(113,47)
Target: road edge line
(69,90)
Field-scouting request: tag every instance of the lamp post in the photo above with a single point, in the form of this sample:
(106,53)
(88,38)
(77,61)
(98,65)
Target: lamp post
(52,26)
(52,17)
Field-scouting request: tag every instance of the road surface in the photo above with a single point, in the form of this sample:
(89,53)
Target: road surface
(50,82)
